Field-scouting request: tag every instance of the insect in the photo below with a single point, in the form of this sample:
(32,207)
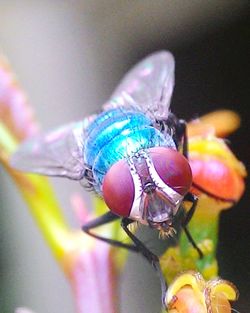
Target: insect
(133,154)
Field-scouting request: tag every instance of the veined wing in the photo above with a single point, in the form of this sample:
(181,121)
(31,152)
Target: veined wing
(148,86)
(56,153)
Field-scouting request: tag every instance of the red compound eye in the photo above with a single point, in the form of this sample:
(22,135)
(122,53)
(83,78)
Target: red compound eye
(173,168)
(118,189)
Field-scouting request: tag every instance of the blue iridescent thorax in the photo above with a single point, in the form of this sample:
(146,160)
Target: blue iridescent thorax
(117,134)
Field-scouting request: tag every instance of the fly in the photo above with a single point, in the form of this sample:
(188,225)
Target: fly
(133,154)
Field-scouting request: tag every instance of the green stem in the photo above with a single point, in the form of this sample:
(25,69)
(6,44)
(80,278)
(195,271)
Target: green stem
(204,230)
(40,198)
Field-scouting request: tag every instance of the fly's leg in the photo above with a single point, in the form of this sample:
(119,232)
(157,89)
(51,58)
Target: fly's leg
(180,134)
(102,220)
(150,257)
(181,130)
(188,216)
(138,246)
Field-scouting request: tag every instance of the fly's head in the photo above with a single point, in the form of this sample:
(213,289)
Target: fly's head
(158,210)
(149,187)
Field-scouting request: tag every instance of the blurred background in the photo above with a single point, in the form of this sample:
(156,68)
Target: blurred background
(69,56)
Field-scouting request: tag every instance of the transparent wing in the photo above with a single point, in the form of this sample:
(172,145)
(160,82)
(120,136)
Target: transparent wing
(57,153)
(148,86)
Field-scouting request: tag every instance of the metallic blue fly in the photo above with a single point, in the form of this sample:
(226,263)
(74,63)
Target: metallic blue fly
(133,154)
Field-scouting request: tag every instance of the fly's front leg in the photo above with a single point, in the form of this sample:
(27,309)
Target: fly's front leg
(188,217)
(150,257)
(180,138)
(102,220)
(182,129)
(137,247)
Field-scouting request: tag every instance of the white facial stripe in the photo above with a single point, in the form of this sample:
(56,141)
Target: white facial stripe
(135,210)
(174,197)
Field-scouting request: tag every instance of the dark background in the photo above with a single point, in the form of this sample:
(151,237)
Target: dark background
(218,77)
(213,73)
